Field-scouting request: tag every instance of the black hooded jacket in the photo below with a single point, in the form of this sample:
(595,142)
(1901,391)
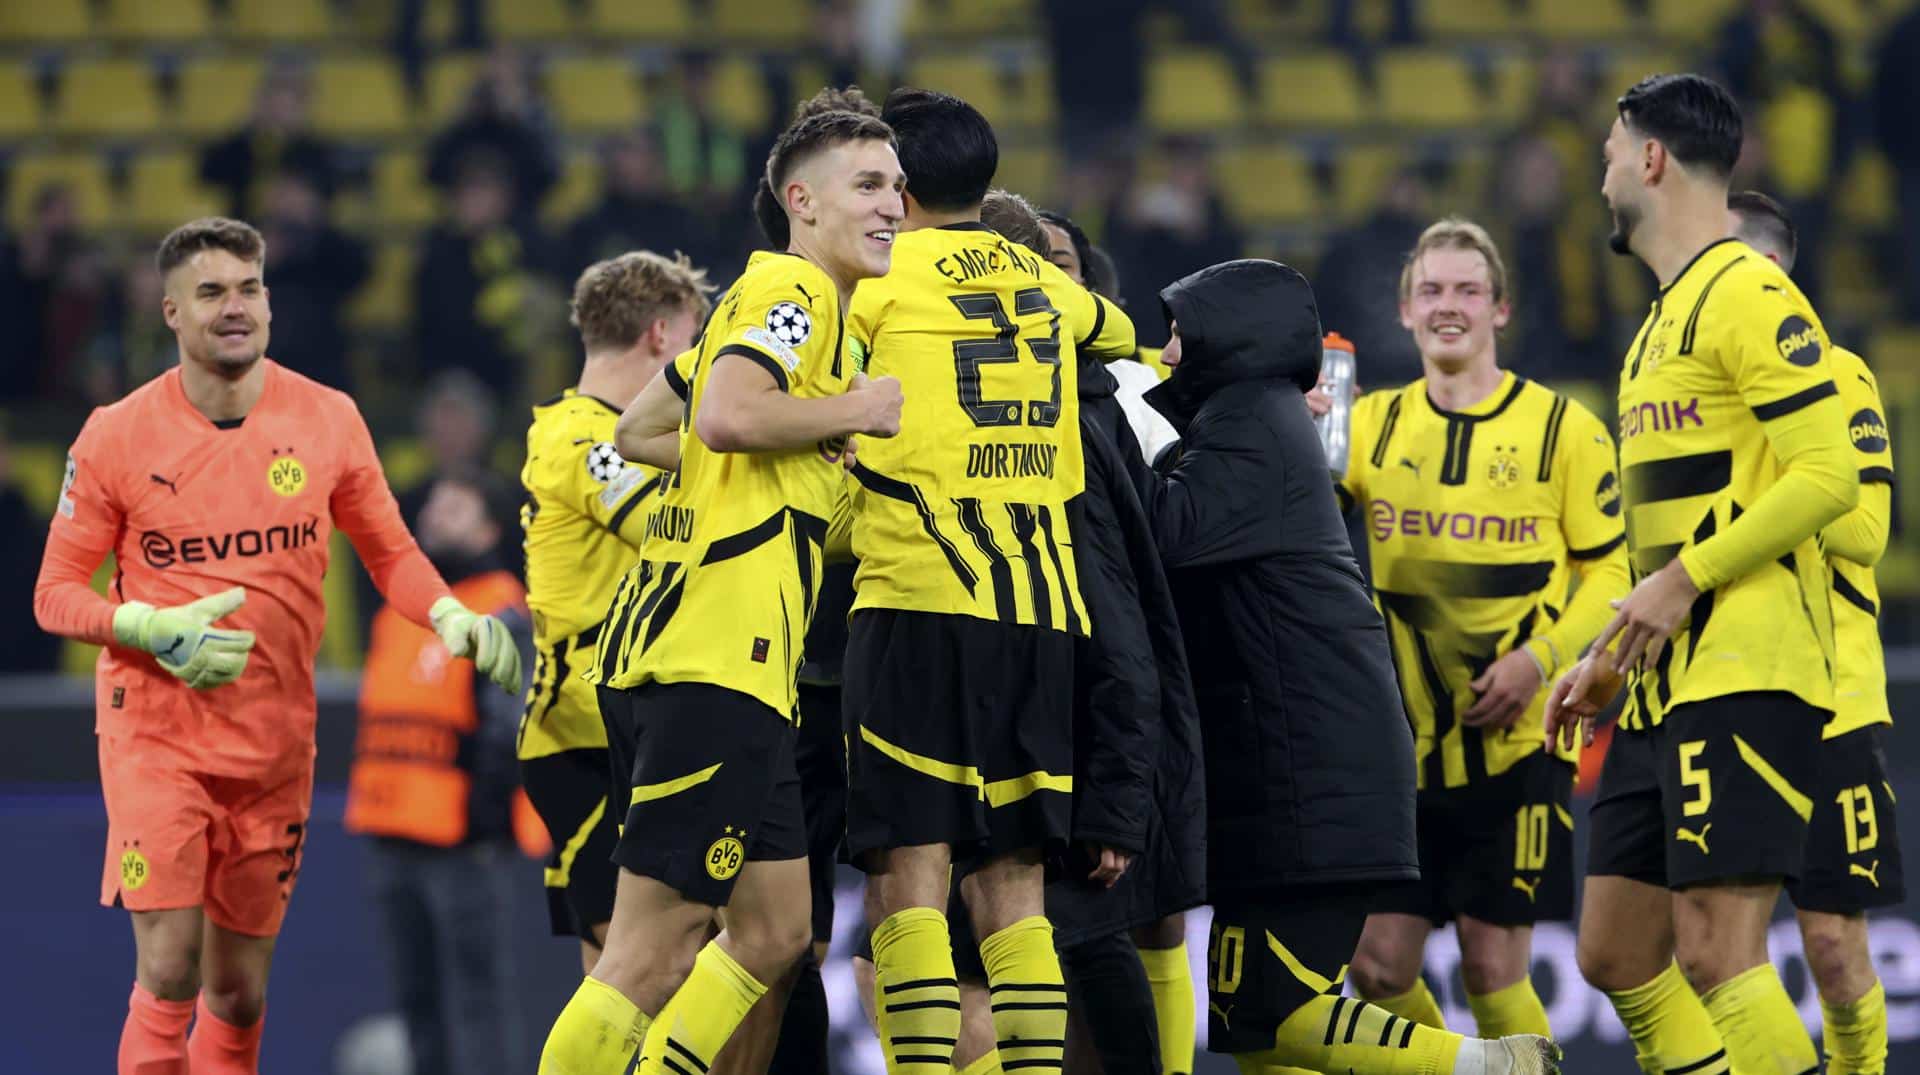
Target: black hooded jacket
(1309,760)
(1138,784)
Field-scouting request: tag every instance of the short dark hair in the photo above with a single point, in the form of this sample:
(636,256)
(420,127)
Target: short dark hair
(1103,276)
(1082,246)
(1768,221)
(1692,115)
(236,237)
(947,148)
(815,129)
(1013,217)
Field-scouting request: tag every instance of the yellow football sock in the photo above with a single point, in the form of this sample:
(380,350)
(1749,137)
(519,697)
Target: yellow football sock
(1416,1005)
(1760,1025)
(1029,995)
(1331,1033)
(916,996)
(1856,1034)
(597,1033)
(1171,978)
(986,1065)
(1671,1029)
(1513,1010)
(702,1015)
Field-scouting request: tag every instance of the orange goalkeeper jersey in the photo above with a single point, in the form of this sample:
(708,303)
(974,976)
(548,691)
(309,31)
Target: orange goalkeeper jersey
(189,508)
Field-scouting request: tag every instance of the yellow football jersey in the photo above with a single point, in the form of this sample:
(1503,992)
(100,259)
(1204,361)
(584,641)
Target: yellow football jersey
(1860,666)
(964,512)
(730,564)
(1731,356)
(1477,523)
(583,516)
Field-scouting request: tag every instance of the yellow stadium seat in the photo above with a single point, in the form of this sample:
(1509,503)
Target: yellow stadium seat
(84,173)
(1030,171)
(448,81)
(595,94)
(105,98)
(740,94)
(387,296)
(278,20)
(974,79)
(1690,21)
(578,190)
(1515,83)
(1193,90)
(1268,185)
(957,18)
(653,20)
(1319,89)
(1859,20)
(401,194)
(154,20)
(19,101)
(1470,18)
(1292,20)
(1866,196)
(533,20)
(358,97)
(1575,19)
(1428,89)
(1630,65)
(1360,175)
(762,21)
(45,21)
(216,94)
(164,188)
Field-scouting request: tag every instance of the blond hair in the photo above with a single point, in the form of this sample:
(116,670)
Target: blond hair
(1014,218)
(616,300)
(1457,233)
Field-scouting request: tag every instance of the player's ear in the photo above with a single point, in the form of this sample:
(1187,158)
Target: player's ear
(656,335)
(799,199)
(1406,315)
(1654,161)
(170,312)
(1502,314)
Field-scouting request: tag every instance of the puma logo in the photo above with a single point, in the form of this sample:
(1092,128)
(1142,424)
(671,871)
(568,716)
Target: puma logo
(1776,288)
(1522,884)
(1871,873)
(1410,465)
(1223,1013)
(158,480)
(1700,838)
(804,291)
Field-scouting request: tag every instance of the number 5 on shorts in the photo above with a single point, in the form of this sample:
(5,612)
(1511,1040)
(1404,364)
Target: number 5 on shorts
(1695,777)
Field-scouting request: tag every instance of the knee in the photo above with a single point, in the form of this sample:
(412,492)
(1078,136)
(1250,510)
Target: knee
(171,972)
(241,1004)
(1383,979)
(770,943)
(1836,955)
(1607,969)
(1490,963)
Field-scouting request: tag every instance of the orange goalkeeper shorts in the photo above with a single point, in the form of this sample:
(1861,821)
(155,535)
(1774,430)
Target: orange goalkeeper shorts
(178,838)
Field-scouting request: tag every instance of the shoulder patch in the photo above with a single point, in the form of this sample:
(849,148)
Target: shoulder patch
(66,487)
(789,323)
(1798,341)
(774,345)
(604,463)
(1868,430)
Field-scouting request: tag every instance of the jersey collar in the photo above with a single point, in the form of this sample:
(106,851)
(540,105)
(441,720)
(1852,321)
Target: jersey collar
(1697,259)
(1497,400)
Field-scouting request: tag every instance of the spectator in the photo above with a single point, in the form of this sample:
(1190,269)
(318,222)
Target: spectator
(433,783)
(1359,281)
(316,268)
(1557,305)
(456,421)
(502,121)
(24,648)
(19,375)
(636,210)
(1169,228)
(1896,101)
(480,290)
(469,34)
(1099,70)
(706,156)
(65,282)
(134,344)
(278,138)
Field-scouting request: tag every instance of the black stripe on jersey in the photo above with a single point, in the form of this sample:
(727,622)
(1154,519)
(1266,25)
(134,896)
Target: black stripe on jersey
(1597,551)
(1677,477)
(1473,741)
(1646,333)
(999,572)
(1443,715)
(1333,1021)
(894,488)
(809,535)
(747,540)
(1099,322)
(759,358)
(614,643)
(548,693)
(1453,469)
(1780,408)
(1853,596)
(620,517)
(1455,578)
(839,346)
(1386,432)
(674,380)
(1552,439)
(1024,525)
(1699,304)
(1060,570)
(1869,475)
(669,594)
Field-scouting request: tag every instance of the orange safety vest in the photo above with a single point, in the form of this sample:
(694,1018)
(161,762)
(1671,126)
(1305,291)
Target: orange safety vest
(417,710)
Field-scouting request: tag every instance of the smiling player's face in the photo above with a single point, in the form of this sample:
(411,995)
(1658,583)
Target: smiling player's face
(216,305)
(1450,308)
(855,197)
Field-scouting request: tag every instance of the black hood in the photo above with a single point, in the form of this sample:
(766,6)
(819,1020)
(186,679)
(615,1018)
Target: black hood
(1247,320)
(1095,380)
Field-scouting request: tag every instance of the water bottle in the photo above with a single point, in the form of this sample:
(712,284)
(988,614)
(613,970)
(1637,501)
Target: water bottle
(1337,371)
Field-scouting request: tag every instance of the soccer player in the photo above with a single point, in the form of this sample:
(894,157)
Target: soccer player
(1734,456)
(1853,842)
(1309,764)
(217,482)
(1487,498)
(702,643)
(584,515)
(959,673)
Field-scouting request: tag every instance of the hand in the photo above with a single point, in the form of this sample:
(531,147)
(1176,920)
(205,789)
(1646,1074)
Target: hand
(1319,404)
(484,638)
(181,640)
(1506,689)
(1112,863)
(850,453)
(881,400)
(1647,617)
(1577,698)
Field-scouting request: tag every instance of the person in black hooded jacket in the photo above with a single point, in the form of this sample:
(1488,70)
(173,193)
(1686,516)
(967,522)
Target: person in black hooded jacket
(1308,756)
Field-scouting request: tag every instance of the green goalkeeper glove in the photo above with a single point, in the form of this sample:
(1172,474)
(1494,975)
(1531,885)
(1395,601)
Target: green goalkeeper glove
(181,640)
(484,638)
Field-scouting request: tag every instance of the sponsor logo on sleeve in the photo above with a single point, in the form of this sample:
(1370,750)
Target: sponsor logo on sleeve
(790,323)
(604,463)
(1607,496)
(774,346)
(1869,431)
(1799,342)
